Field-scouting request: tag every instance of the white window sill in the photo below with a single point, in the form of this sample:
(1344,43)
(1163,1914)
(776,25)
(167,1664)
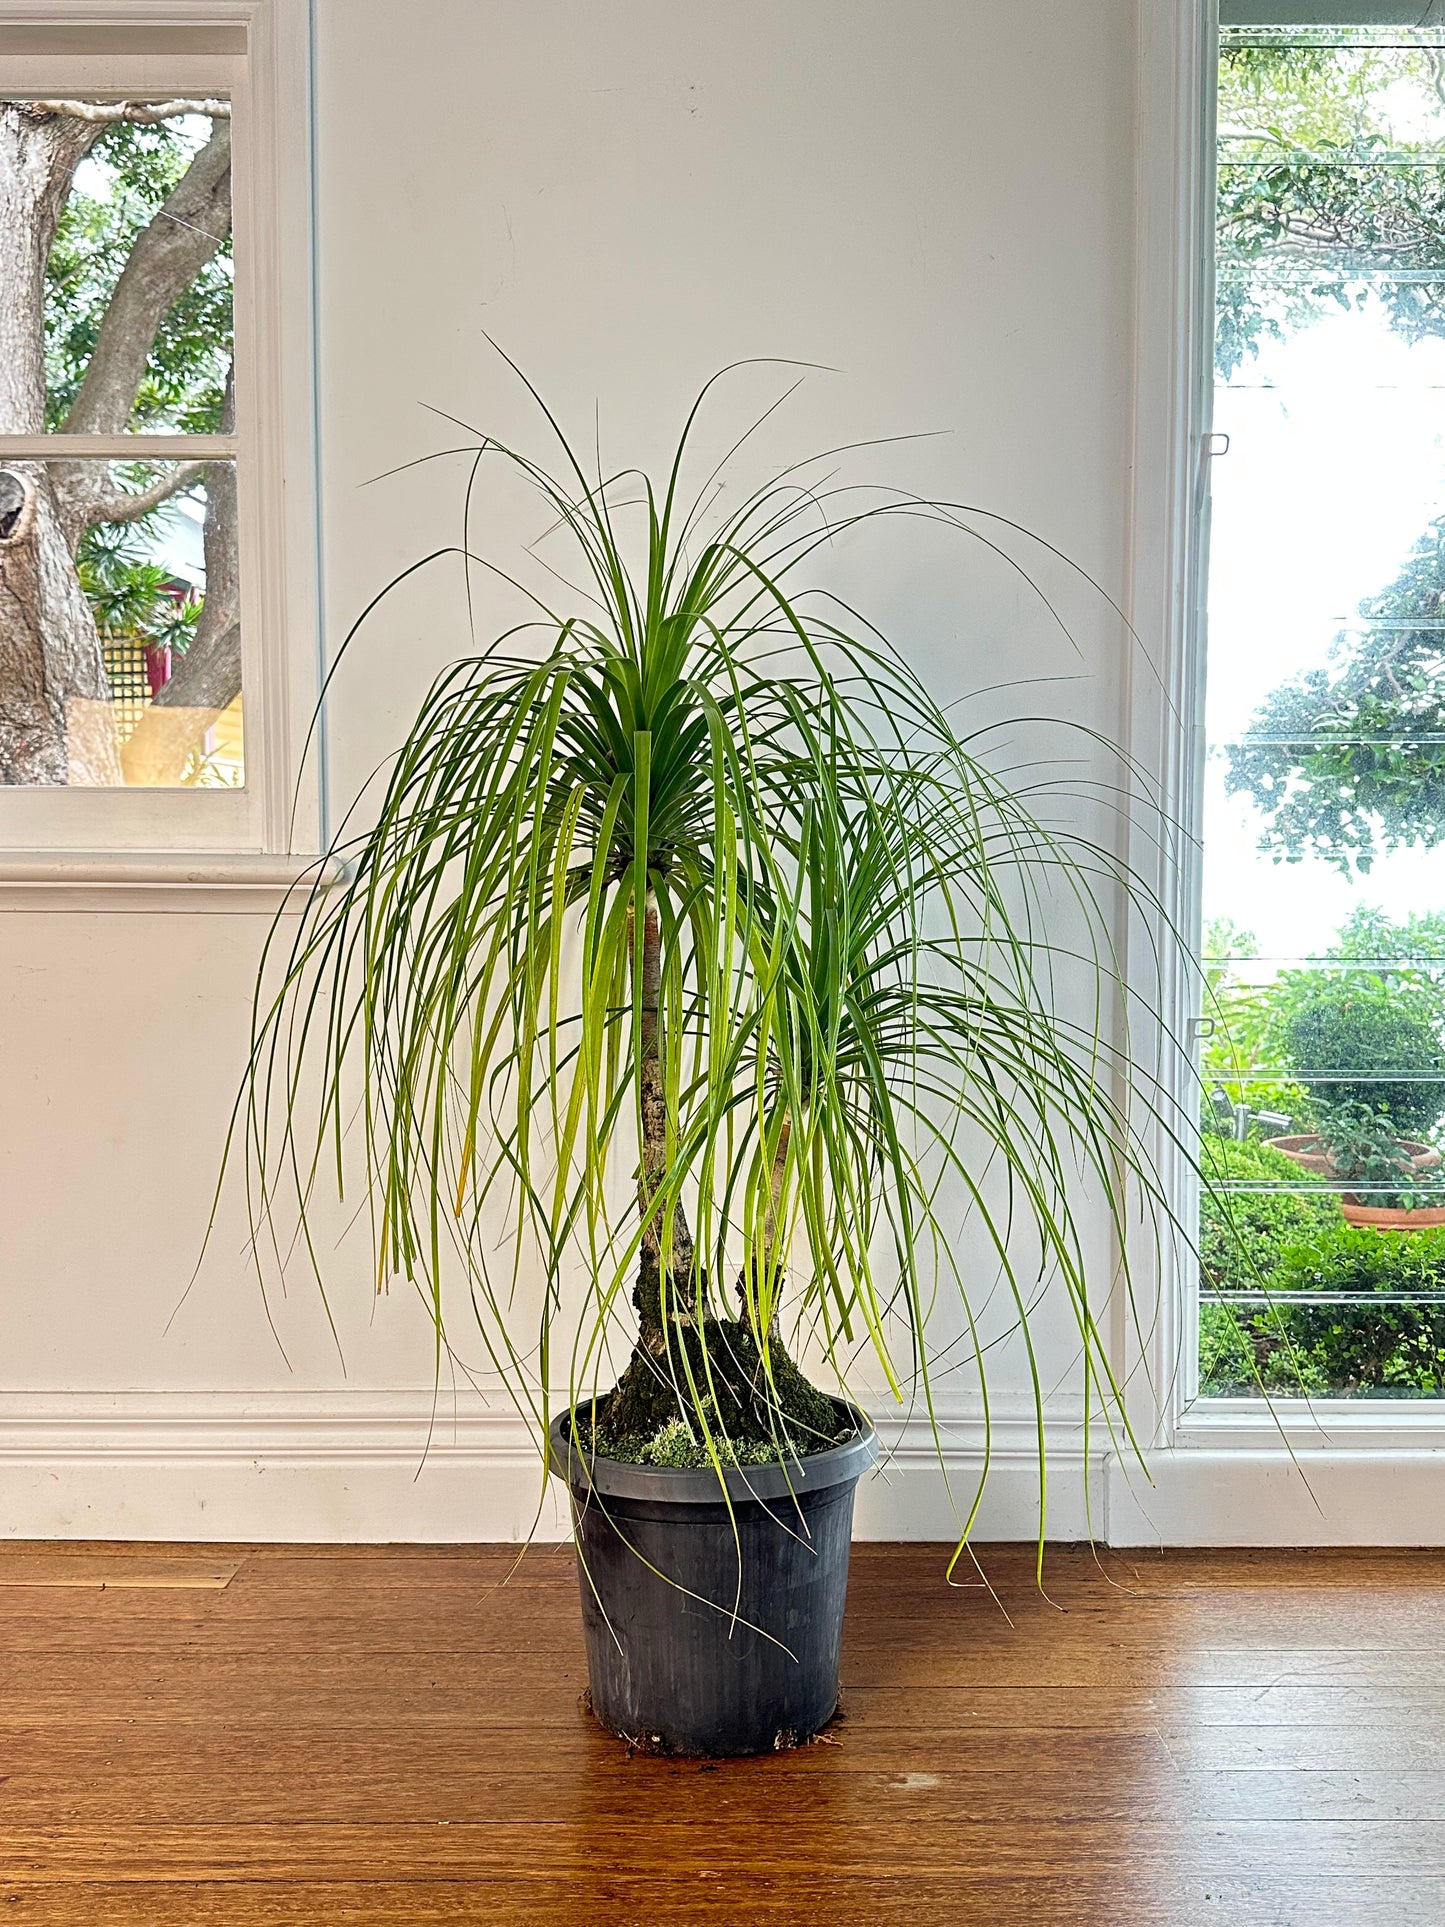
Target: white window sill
(148,881)
(1304,1426)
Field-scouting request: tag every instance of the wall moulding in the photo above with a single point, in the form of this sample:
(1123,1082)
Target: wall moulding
(143,882)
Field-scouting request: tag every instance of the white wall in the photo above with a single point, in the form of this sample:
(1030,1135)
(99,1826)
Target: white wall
(934,197)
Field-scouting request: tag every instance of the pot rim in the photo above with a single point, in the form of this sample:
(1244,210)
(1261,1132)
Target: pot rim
(687,1485)
(1389,1217)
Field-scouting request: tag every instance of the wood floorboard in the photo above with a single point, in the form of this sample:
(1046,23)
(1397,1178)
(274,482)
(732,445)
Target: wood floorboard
(279,1736)
(100,1787)
(728,1898)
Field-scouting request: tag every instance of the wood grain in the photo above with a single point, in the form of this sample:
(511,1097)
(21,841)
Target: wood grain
(114,1569)
(272,1736)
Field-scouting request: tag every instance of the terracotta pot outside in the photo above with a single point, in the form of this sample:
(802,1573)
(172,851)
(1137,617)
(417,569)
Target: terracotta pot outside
(1389,1217)
(1304,1149)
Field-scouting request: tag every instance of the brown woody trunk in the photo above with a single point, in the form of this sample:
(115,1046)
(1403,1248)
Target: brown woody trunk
(56,723)
(56,720)
(771,1263)
(681,1292)
(209,675)
(754,1391)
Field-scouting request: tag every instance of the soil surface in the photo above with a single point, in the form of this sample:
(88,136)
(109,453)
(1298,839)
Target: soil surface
(709,1383)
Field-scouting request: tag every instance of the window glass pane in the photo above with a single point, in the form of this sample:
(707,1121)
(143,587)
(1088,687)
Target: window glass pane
(120,641)
(137,321)
(1323,1233)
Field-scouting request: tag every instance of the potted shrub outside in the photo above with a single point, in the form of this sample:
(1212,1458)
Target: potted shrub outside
(1326,1153)
(1371,1054)
(1395,1191)
(694,947)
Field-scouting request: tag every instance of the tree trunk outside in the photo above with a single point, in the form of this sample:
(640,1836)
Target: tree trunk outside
(166,258)
(56,721)
(208,677)
(38,158)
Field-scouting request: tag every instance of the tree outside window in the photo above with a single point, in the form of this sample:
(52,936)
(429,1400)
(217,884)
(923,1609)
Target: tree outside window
(120,613)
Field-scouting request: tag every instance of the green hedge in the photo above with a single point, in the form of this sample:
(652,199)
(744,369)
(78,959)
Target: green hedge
(1243,1234)
(1298,1242)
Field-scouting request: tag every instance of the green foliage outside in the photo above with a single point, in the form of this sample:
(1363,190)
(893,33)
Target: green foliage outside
(1298,1241)
(1340,1350)
(1244,1234)
(1360,1023)
(1356,764)
(1303,218)
(1242,1016)
(1365,1151)
(122,183)
(1310,223)
(129,594)
(1414,946)
(1386,1013)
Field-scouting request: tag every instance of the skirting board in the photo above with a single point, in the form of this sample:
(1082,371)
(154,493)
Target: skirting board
(387,1467)
(395,1466)
(1255,1496)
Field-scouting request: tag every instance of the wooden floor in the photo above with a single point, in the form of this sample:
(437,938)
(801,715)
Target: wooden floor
(385,1736)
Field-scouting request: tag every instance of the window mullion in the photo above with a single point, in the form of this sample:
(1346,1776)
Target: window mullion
(119,448)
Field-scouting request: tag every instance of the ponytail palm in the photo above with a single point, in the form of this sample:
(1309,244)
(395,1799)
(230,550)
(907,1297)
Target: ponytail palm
(692,985)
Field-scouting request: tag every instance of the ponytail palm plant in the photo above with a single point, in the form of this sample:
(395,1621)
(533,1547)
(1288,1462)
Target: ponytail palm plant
(692,986)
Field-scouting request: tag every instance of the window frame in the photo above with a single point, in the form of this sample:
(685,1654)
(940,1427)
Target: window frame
(1173,448)
(238,841)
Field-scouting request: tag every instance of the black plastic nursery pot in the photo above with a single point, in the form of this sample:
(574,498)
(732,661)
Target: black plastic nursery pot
(713,1629)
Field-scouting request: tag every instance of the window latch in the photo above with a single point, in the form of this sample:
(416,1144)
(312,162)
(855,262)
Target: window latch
(1216,444)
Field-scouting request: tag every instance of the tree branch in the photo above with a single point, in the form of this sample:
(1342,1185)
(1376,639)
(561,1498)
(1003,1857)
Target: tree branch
(139,113)
(208,677)
(121,505)
(166,258)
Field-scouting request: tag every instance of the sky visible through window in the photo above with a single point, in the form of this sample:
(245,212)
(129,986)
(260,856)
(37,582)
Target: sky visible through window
(1336,464)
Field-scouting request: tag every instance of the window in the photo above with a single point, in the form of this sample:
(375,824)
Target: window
(1323,1233)
(156,633)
